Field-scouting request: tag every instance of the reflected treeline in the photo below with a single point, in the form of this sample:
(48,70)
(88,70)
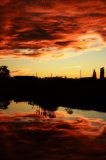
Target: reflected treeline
(45,113)
(47,106)
(49,93)
(4,103)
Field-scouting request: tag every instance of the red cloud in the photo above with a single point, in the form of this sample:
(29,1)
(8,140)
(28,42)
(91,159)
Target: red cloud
(79,139)
(41,24)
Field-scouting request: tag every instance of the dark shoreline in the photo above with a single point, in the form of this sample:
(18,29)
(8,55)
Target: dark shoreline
(49,93)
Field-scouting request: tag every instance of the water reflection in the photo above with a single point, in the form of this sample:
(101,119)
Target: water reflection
(4,104)
(31,132)
(12,108)
(45,113)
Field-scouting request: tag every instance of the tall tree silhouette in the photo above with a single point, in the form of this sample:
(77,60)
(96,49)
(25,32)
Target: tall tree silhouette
(4,72)
(94,74)
(102,72)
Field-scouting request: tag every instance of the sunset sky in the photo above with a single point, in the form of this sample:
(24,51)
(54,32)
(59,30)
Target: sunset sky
(60,37)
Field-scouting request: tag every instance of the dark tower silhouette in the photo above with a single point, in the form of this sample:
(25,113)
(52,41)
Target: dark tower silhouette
(94,74)
(102,72)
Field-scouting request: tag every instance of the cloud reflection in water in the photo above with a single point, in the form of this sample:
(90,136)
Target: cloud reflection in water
(48,139)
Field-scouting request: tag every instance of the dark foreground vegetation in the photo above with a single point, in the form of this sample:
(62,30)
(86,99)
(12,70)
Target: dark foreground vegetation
(85,93)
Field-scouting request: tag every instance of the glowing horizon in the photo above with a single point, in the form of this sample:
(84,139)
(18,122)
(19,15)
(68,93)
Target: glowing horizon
(59,37)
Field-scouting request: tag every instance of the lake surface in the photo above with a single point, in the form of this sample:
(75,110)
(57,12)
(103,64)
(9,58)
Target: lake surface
(31,132)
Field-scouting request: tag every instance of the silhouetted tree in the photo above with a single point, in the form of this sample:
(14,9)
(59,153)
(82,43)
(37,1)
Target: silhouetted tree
(4,72)
(94,74)
(102,72)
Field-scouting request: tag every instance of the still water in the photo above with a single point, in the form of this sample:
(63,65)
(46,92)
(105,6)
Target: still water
(62,113)
(31,132)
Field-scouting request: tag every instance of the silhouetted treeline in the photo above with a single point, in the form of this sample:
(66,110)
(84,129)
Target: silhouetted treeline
(87,93)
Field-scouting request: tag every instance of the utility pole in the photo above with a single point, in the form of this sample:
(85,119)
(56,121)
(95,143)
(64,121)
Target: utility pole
(36,74)
(80,74)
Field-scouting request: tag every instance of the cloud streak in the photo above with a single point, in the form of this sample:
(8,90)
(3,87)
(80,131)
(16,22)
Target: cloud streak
(43,27)
(80,138)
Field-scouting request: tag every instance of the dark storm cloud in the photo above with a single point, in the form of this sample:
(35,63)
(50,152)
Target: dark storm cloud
(63,43)
(36,34)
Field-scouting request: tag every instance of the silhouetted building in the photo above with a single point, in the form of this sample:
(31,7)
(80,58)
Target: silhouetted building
(102,72)
(94,74)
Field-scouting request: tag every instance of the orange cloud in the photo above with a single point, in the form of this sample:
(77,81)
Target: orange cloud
(20,72)
(80,138)
(60,24)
